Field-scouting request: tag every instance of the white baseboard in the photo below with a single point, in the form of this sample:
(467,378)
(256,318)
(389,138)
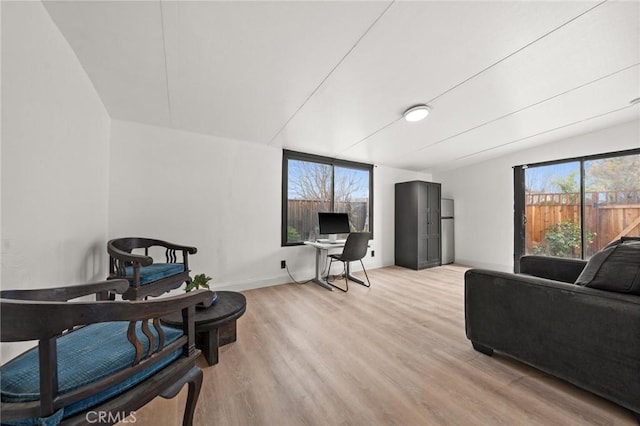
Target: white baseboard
(484,265)
(284,278)
(257,283)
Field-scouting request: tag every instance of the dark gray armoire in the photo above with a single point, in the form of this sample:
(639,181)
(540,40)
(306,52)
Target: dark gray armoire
(417,225)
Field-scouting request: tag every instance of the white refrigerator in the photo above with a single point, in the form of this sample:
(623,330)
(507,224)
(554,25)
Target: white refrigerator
(446,213)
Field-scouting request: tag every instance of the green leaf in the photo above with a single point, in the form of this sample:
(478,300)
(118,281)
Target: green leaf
(199,281)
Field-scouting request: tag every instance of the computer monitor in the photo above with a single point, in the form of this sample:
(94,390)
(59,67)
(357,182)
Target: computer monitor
(333,223)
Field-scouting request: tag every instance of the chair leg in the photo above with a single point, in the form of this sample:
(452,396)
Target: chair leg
(358,280)
(332,284)
(346,275)
(365,274)
(195,383)
(193,378)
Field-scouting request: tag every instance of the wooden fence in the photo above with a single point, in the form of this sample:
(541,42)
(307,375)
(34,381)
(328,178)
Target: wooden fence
(608,216)
(600,197)
(303,214)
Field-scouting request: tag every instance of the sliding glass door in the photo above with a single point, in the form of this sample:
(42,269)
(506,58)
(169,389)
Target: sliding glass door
(573,208)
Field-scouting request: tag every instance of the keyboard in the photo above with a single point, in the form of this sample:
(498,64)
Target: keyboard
(326,241)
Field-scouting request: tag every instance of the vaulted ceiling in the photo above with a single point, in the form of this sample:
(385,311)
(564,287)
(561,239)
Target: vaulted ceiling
(333,78)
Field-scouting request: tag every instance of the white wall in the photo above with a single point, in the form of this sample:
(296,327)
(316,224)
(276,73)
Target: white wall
(483,193)
(224,197)
(55,136)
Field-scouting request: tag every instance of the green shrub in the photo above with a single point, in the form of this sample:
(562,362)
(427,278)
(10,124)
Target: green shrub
(563,240)
(292,234)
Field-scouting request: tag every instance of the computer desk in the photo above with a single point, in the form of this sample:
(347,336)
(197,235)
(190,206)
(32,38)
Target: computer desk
(322,250)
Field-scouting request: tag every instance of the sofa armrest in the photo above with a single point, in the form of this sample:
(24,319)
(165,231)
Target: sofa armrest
(553,268)
(586,336)
(502,297)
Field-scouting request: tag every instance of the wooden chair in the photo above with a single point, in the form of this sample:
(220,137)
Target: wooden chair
(96,361)
(146,277)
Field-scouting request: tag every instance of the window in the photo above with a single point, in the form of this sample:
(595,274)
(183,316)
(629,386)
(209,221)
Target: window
(312,183)
(573,208)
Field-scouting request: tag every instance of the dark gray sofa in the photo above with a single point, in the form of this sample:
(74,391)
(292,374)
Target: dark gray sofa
(586,336)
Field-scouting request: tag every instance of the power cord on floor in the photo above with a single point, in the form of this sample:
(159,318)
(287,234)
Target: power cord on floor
(332,278)
(329,278)
(294,280)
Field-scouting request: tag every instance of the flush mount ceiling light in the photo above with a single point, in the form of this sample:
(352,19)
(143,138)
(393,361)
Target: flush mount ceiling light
(417,112)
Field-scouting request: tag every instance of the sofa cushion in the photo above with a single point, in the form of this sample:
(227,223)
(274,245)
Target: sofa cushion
(614,268)
(155,272)
(85,356)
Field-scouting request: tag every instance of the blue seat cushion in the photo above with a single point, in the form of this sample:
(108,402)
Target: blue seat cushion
(155,271)
(85,356)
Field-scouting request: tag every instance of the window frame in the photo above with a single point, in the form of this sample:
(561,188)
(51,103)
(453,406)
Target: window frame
(333,162)
(519,219)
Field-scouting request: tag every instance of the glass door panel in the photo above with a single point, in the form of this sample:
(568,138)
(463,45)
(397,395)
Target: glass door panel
(553,210)
(612,200)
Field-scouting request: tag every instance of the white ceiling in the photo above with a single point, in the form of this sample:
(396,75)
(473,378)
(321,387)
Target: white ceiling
(333,78)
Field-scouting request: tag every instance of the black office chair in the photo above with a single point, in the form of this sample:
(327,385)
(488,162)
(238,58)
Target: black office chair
(355,248)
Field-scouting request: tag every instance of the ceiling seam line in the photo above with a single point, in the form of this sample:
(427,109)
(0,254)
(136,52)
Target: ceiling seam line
(166,66)
(519,50)
(482,71)
(522,109)
(372,134)
(332,71)
(544,132)
(369,135)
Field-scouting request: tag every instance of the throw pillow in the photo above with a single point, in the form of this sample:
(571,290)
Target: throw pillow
(614,268)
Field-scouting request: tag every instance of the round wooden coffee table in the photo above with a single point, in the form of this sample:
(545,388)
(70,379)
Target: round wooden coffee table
(216,325)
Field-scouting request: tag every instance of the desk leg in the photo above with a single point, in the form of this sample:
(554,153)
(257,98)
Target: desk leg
(320,254)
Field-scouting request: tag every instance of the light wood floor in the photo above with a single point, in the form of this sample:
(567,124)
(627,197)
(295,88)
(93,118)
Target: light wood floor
(394,354)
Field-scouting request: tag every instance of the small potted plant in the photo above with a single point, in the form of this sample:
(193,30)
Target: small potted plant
(201,281)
